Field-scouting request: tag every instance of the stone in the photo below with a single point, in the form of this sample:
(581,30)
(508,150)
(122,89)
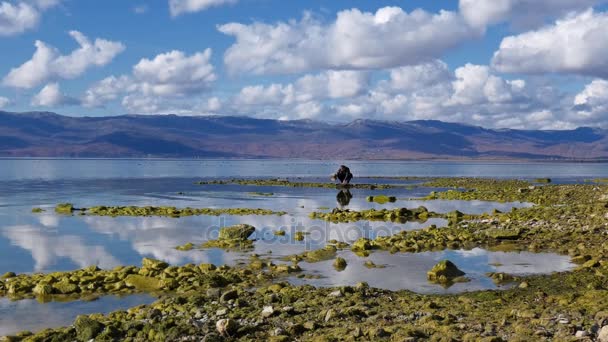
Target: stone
(581,333)
(87,328)
(238,232)
(267,311)
(221,312)
(336,294)
(8,275)
(444,271)
(43,289)
(154,264)
(362,244)
(226,327)
(228,295)
(143,283)
(340,264)
(64,208)
(602,335)
(65,287)
(329,315)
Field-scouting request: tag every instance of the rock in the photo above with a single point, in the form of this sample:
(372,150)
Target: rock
(221,312)
(362,244)
(267,311)
(543,180)
(213,293)
(382,199)
(444,272)
(64,208)
(340,264)
(310,325)
(87,328)
(143,283)
(154,264)
(524,285)
(65,287)
(226,327)
(8,275)
(43,289)
(336,294)
(602,335)
(503,234)
(238,232)
(581,333)
(329,315)
(228,295)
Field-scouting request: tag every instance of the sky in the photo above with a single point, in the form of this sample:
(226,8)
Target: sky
(520,64)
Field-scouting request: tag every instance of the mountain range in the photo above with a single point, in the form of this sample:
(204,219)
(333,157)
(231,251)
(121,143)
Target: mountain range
(45,134)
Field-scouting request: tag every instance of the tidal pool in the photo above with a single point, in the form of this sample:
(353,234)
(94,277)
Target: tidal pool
(407,271)
(31,315)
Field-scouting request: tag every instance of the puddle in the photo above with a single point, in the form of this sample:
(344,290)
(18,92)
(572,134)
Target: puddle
(407,271)
(33,316)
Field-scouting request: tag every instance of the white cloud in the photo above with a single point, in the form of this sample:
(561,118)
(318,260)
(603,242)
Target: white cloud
(174,73)
(302,97)
(591,104)
(421,75)
(167,76)
(355,40)
(4,101)
(177,7)
(522,13)
(48,64)
(51,96)
(18,18)
(576,44)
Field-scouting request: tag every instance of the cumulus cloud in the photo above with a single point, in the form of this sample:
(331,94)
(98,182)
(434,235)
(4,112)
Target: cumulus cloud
(302,97)
(591,104)
(177,7)
(576,44)
(48,64)
(51,96)
(522,13)
(355,40)
(166,76)
(17,18)
(4,101)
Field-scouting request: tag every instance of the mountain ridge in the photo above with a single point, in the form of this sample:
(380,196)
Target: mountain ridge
(48,134)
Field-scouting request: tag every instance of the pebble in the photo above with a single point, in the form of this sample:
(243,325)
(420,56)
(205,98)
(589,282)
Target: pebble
(268,311)
(221,312)
(602,336)
(581,333)
(336,293)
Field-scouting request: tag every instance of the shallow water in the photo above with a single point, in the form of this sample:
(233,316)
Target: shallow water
(31,315)
(406,271)
(48,242)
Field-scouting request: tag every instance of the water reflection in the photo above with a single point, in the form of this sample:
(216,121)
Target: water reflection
(33,316)
(408,271)
(343,198)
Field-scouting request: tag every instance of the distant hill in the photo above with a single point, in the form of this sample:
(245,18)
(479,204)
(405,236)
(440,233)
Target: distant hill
(43,134)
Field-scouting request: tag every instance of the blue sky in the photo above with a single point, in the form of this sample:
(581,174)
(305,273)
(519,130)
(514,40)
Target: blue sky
(502,64)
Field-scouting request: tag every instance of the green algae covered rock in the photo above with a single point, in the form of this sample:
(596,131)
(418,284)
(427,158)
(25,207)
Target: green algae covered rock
(64,208)
(382,199)
(362,244)
(65,287)
(237,232)
(86,328)
(444,272)
(43,289)
(143,283)
(186,247)
(340,264)
(154,264)
(504,234)
(37,210)
(543,180)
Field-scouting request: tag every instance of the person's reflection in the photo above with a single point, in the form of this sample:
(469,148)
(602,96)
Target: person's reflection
(343,198)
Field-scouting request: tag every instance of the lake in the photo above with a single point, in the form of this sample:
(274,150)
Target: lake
(48,242)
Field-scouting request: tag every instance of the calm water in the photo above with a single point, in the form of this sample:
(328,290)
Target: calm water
(49,242)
